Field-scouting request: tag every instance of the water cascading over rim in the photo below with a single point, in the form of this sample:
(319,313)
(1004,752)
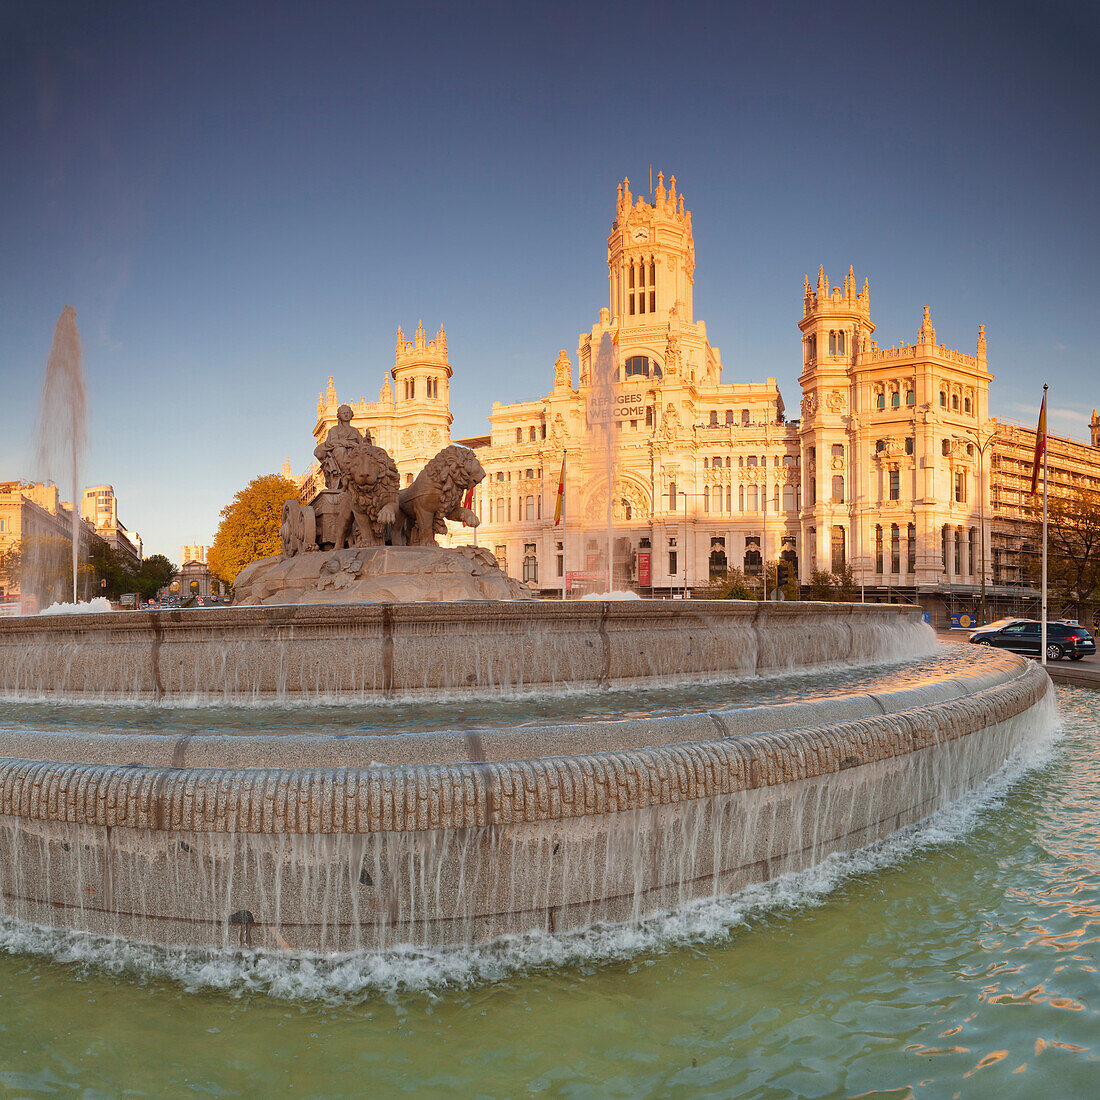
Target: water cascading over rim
(319,842)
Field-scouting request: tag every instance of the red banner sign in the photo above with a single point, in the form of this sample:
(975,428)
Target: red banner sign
(644,580)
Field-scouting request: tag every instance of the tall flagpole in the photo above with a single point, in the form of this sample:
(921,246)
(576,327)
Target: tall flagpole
(1043,630)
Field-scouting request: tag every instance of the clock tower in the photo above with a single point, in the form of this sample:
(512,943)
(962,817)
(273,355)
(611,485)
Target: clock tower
(650,257)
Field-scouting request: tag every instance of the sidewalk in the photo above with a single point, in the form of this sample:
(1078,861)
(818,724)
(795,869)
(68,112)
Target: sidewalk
(1085,673)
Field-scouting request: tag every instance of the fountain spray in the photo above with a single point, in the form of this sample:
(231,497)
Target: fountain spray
(604,428)
(62,417)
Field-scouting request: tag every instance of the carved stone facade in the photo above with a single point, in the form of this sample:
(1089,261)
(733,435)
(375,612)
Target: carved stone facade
(880,473)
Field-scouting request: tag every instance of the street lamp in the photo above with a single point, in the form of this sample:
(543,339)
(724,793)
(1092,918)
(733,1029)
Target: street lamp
(975,437)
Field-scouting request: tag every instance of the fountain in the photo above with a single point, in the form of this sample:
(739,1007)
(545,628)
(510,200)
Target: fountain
(464,821)
(61,432)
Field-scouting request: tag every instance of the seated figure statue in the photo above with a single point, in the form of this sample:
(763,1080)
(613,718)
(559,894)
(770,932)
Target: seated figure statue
(436,495)
(334,453)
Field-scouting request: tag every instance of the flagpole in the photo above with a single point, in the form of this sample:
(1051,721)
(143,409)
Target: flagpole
(1043,630)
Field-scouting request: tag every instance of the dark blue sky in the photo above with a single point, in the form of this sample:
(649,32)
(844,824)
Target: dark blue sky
(241,199)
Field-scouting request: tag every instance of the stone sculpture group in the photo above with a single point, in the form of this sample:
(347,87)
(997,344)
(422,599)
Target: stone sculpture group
(372,509)
(365,539)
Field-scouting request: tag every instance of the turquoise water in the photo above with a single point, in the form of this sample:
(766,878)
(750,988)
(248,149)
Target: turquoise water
(958,960)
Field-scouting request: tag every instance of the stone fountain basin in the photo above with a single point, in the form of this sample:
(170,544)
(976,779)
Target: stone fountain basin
(326,843)
(371,651)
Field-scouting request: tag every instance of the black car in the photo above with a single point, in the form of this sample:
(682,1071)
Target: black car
(1024,636)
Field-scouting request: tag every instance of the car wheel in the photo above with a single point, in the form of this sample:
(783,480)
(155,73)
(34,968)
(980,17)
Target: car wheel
(985,641)
(1054,652)
(1076,656)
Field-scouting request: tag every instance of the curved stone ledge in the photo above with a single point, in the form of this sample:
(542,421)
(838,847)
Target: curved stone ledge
(460,795)
(403,650)
(523,833)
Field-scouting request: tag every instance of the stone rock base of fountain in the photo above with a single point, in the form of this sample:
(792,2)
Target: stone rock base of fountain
(378,574)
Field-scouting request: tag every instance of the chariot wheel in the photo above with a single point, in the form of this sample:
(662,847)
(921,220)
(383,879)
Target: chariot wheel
(289,528)
(307,528)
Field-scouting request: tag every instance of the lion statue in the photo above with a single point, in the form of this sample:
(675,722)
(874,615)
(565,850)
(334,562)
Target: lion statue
(369,499)
(436,495)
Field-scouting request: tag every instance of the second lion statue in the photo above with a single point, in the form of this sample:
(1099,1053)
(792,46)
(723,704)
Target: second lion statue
(436,495)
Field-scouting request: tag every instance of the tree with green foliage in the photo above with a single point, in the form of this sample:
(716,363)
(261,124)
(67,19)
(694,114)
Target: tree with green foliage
(156,572)
(249,528)
(731,585)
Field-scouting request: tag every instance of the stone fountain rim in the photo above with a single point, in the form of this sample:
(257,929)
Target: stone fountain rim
(509,745)
(500,612)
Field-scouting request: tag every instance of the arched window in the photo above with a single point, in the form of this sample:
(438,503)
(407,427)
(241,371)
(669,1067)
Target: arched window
(943,546)
(840,343)
(500,509)
(895,548)
(714,418)
(729,498)
(954,402)
(729,416)
(880,400)
(838,489)
(838,450)
(641,366)
(895,399)
(530,507)
(775,498)
(966,405)
(832,343)
(943,400)
(649,416)
(740,498)
(878,548)
(910,398)
(972,550)
(753,499)
(788,498)
(706,498)
(672,496)
(945,447)
(752,560)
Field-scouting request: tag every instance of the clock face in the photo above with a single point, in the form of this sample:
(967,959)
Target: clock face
(640,234)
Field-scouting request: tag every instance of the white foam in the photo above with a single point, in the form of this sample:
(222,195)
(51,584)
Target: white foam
(616,595)
(359,976)
(92,607)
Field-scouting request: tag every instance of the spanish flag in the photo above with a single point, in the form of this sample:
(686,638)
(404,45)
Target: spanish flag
(1040,442)
(468,499)
(561,492)
(615,338)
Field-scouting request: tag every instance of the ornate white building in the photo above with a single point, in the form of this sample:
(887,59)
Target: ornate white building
(879,473)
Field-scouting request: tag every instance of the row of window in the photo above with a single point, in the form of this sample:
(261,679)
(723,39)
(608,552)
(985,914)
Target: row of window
(966,404)
(838,344)
(534,432)
(530,473)
(895,399)
(895,549)
(642,283)
(431,388)
(529,508)
(951,537)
